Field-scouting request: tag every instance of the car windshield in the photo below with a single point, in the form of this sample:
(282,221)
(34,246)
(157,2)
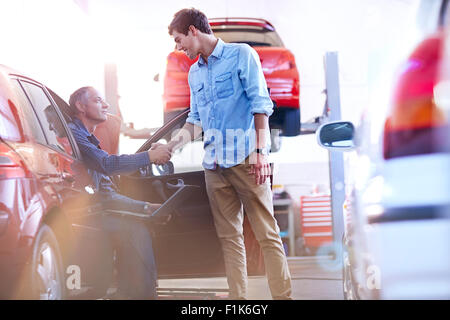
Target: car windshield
(255,37)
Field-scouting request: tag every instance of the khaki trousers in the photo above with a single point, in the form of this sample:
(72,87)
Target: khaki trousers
(231,191)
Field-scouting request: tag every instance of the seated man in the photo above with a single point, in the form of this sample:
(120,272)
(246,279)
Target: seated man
(130,238)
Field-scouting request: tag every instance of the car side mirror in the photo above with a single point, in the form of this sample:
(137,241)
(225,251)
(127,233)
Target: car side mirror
(337,135)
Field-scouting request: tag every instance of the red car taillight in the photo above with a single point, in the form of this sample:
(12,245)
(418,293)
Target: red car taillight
(285,62)
(415,125)
(11,166)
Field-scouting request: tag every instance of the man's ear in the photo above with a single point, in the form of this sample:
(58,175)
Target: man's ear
(80,107)
(193,30)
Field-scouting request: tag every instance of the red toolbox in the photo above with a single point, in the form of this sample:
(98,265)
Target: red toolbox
(316,221)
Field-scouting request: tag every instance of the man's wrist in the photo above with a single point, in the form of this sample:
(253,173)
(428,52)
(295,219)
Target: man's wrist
(262,151)
(172,144)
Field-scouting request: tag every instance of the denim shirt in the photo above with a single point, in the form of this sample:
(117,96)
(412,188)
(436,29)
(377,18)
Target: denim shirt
(99,163)
(225,94)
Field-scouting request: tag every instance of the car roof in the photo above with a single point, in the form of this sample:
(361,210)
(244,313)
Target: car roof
(8,70)
(11,71)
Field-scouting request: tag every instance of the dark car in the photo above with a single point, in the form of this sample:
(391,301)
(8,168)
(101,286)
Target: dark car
(48,250)
(278,64)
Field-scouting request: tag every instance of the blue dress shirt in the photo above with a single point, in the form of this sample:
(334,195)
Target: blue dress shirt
(225,94)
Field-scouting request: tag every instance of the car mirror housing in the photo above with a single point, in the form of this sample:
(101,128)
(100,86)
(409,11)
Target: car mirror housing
(337,135)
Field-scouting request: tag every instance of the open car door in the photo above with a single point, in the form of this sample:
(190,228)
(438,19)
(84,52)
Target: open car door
(185,243)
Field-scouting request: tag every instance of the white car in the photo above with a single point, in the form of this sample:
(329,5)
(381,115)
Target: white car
(397,245)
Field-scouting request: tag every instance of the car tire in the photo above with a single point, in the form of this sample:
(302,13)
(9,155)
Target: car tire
(291,122)
(44,273)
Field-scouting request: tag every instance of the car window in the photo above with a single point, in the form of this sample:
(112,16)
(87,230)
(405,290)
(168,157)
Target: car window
(28,113)
(189,158)
(62,105)
(253,37)
(51,123)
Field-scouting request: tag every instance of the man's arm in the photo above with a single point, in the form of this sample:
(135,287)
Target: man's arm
(261,107)
(99,160)
(259,162)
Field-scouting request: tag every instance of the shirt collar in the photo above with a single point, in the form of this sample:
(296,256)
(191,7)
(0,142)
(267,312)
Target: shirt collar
(217,52)
(83,129)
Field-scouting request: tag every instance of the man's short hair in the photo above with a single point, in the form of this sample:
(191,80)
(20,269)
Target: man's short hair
(189,17)
(80,94)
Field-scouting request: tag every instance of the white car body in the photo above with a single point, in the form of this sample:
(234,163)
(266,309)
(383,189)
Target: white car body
(397,244)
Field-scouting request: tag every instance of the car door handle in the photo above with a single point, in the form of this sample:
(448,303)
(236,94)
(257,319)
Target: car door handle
(180,183)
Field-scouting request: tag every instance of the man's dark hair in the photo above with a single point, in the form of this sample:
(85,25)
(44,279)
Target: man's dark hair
(189,17)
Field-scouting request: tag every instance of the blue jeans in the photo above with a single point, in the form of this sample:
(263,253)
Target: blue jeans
(133,244)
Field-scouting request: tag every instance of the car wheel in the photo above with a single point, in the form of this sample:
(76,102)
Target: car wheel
(46,279)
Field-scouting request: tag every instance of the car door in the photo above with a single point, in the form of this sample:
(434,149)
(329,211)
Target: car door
(57,147)
(188,244)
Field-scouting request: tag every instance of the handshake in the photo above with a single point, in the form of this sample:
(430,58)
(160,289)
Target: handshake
(160,153)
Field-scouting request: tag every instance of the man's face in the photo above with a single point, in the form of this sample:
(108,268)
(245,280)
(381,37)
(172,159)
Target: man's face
(187,43)
(95,107)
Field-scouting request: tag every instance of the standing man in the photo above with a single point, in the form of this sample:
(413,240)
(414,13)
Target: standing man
(231,104)
(130,238)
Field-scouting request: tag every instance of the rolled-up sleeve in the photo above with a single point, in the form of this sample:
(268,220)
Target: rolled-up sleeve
(193,115)
(253,81)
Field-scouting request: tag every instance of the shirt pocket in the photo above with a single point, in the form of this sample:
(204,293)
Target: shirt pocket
(199,95)
(224,85)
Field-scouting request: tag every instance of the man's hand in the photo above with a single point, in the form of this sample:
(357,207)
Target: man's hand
(160,153)
(259,166)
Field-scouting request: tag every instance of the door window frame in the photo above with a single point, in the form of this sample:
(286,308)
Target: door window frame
(76,154)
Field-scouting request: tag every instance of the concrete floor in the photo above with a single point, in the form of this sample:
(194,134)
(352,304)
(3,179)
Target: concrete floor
(312,279)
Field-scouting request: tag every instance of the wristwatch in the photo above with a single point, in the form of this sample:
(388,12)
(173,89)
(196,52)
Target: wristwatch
(262,151)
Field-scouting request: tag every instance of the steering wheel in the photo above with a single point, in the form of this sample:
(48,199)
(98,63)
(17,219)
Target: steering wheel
(162,169)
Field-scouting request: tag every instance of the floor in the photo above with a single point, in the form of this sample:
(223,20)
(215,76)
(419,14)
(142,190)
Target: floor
(312,279)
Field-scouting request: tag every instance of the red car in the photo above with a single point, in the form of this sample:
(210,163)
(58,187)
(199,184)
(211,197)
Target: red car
(48,250)
(278,63)
(42,196)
